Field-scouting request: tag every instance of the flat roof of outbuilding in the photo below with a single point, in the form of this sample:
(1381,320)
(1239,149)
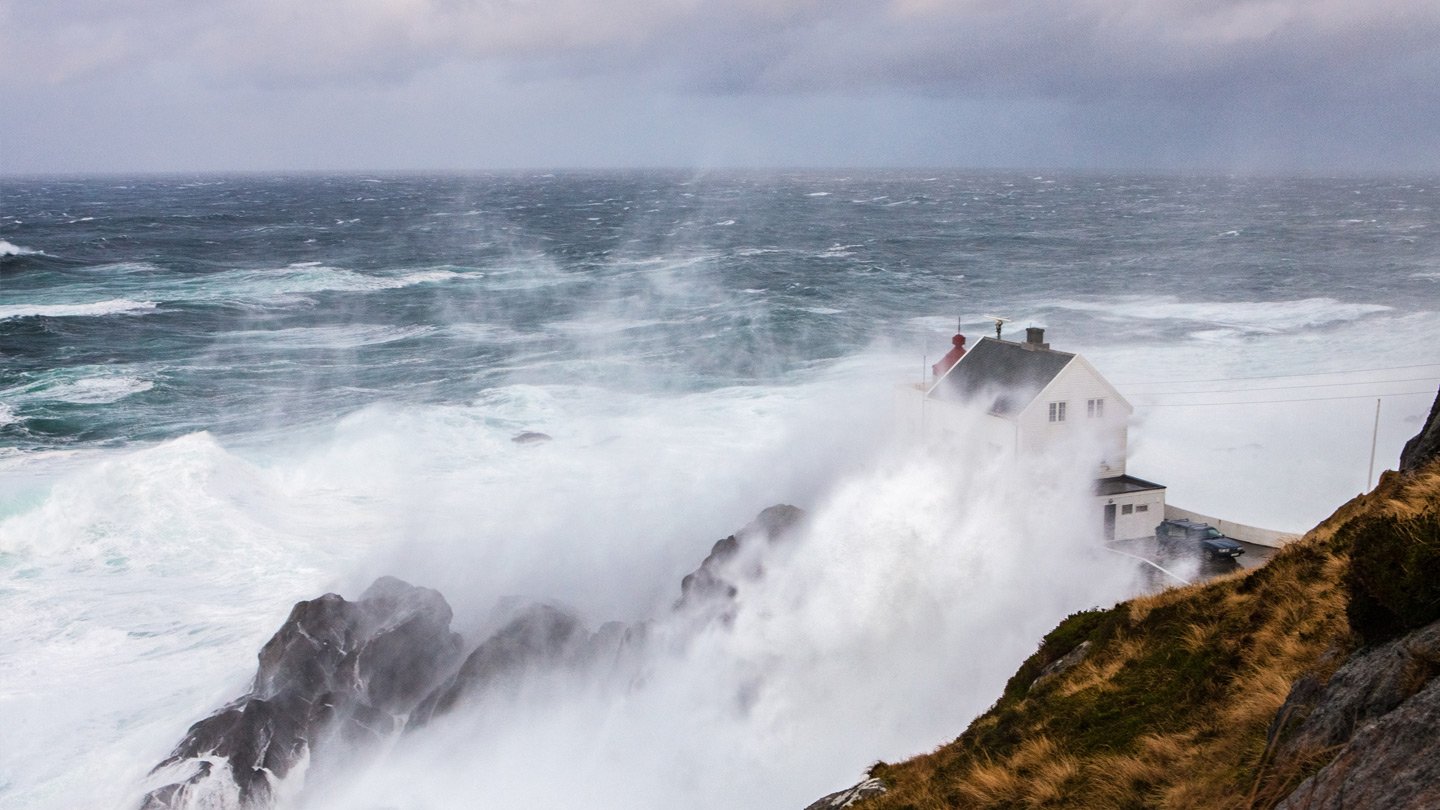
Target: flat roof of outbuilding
(1123,485)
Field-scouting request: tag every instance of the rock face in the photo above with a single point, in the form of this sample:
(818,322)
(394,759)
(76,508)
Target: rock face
(1366,688)
(1379,711)
(1425,446)
(335,672)
(339,676)
(850,796)
(541,639)
(738,556)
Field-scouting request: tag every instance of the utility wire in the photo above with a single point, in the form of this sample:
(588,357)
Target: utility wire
(1278,401)
(1285,387)
(1281,376)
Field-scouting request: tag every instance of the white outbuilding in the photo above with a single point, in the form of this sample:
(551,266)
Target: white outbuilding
(1032,397)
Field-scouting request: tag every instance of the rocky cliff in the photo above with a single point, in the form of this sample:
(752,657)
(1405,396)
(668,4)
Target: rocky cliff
(1308,683)
(338,677)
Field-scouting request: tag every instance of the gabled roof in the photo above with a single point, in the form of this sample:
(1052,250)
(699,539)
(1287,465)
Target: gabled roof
(1002,376)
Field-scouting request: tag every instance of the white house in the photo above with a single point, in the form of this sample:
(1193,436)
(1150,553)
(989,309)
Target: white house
(1032,397)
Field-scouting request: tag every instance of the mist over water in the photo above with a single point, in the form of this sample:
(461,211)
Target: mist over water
(221,396)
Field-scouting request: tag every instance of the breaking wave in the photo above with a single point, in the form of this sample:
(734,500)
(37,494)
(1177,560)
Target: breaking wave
(12,249)
(114,306)
(1253,317)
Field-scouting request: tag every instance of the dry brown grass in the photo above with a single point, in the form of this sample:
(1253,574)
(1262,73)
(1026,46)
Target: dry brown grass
(1172,706)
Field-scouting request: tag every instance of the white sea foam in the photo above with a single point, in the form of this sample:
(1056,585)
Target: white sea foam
(818,194)
(98,390)
(136,588)
(8,415)
(1263,317)
(329,337)
(306,278)
(909,558)
(11,249)
(114,306)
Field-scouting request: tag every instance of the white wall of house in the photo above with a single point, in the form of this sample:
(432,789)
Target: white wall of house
(1136,513)
(951,425)
(1090,404)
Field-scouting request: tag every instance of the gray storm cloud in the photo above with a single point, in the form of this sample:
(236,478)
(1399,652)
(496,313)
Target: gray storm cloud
(1036,46)
(1318,75)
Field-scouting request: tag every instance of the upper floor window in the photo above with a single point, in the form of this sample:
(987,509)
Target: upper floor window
(1057,411)
(1095,408)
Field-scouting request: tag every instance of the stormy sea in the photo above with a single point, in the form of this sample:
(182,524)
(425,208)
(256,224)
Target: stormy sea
(221,395)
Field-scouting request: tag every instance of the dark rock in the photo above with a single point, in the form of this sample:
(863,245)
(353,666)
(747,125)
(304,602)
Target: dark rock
(339,676)
(1425,446)
(1063,664)
(1391,763)
(335,671)
(541,637)
(717,573)
(530,437)
(845,798)
(1369,700)
(1370,684)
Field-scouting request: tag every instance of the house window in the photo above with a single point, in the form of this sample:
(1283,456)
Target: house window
(1095,408)
(1144,507)
(1127,509)
(1057,412)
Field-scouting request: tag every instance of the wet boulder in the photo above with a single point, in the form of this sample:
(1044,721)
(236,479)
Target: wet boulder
(337,674)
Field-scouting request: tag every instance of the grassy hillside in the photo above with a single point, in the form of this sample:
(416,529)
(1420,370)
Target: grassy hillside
(1176,693)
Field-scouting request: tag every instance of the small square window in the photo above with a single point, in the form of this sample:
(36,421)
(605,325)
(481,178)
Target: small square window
(1127,509)
(1144,507)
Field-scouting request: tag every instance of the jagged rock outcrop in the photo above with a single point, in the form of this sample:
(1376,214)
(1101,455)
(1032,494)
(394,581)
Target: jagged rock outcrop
(341,675)
(1320,718)
(1424,447)
(737,557)
(1390,762)
(542,638)
(850,796)
(337,672)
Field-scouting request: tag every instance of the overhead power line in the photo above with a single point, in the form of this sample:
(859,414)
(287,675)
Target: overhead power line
(1279,401)
(1287,387)
(1281,376)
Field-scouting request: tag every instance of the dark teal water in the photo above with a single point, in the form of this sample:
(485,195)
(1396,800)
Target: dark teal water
(146,308)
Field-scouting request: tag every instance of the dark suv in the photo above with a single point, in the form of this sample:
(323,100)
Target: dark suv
(1188,535)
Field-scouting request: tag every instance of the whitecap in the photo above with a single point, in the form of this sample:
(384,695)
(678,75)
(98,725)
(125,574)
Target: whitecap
(7,415)
(330,337)
(818,194)
(12,249)
(98,390)
(1255,317)
(114,306)
(822,310)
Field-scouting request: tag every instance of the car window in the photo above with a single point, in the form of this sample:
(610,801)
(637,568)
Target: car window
(1212,532)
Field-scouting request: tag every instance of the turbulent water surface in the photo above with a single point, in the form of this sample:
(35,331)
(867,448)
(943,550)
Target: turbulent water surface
(219,395)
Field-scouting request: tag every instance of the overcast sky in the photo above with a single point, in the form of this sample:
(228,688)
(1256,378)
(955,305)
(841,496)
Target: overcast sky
(1184,85)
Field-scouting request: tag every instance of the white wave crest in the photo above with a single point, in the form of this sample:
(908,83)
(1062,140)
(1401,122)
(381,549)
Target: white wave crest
(312,277)
(99,390)
(1255,317)
(12,249)
(330,337)
(7,415)
(114,306)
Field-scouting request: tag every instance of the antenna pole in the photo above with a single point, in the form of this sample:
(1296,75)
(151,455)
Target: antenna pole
(1374,435)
